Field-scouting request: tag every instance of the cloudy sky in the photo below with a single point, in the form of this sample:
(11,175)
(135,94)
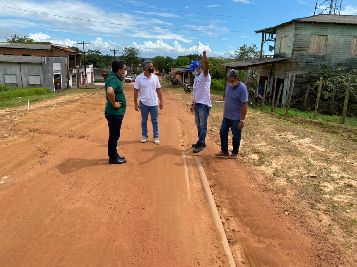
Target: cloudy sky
(157,27)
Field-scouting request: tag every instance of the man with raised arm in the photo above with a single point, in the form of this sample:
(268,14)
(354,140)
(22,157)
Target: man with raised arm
(201,104)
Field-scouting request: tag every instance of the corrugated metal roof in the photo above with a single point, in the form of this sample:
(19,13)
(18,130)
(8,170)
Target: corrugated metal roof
(67,49)
(38,46)
(323,18)
(253,63)
(21,59)
(26,46)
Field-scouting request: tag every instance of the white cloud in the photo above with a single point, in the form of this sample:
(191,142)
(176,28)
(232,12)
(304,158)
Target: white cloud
(147,49)
(349,10)
(243,1)
(212,6)
(199,48)
(211,29)
(160,47)
(159,14)
(40,37)
(90,20)
(97,43)
(304,2)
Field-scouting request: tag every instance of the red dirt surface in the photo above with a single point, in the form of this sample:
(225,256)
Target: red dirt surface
(62,204)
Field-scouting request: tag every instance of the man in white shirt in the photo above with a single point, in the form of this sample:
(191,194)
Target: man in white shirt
(149,86)
(201,104)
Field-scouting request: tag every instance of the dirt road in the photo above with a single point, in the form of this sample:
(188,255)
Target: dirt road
(62,204)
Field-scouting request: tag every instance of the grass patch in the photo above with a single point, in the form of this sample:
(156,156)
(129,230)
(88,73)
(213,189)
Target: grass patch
(15,97)
(295,113)
(217,89)
(22,92)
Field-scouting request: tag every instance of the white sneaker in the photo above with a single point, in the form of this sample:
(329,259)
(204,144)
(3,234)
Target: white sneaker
(144,139)
(156,141)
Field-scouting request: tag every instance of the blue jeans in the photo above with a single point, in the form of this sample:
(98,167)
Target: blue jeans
(154,114)
(237,133)
(201,119)
(114,125)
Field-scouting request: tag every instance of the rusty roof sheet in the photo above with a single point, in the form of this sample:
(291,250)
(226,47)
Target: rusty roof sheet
(34,46)
(38,46)
(323,18)
(253,63)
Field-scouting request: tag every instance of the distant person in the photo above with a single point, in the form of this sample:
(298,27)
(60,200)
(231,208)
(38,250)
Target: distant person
(149,86)
(201,104)
(115,109)
(235,111)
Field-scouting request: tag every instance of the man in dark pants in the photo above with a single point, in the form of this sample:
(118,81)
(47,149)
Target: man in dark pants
(235,111)
(115,109)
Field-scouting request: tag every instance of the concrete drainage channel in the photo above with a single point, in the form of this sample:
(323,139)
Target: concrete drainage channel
(213,208)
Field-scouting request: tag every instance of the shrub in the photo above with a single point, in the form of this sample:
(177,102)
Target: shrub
(217,86)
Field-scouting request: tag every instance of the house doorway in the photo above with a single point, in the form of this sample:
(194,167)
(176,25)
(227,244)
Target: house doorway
(57,81)
(279,82)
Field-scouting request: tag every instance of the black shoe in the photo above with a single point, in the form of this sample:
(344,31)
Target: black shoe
(121,156)
(198,149)
(117,161)
(195,145)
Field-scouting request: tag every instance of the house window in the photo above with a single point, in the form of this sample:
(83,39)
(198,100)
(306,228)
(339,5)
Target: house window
(318,45)
(354,47)
(10,79)
(283,44)
(34,80)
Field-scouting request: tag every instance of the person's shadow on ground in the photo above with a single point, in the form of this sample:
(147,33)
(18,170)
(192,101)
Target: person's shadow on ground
(75,164)
(157,151)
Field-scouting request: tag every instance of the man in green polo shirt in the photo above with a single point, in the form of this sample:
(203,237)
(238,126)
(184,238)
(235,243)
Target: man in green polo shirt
(115,109)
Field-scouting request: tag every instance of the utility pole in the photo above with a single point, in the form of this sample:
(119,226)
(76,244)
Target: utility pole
(114,51)
(84,63)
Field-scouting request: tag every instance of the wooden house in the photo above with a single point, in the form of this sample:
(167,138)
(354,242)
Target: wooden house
(302,46)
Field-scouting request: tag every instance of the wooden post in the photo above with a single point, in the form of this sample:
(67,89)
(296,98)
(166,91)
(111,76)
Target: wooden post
(306,97)
(257,89)
(225,83)
(290,94)
(345,105)
(264,93)
(279,94)
(274,94)
(262,46)
(318,98)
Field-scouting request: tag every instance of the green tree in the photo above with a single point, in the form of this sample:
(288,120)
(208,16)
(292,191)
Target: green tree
(163,63)
(20,39)
(217,69)
(246,52)
(335,79)
(75,48)
(98,60)
(131,56)
(182,61)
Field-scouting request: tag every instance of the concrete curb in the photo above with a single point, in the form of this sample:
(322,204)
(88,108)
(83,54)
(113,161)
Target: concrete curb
(215,213)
